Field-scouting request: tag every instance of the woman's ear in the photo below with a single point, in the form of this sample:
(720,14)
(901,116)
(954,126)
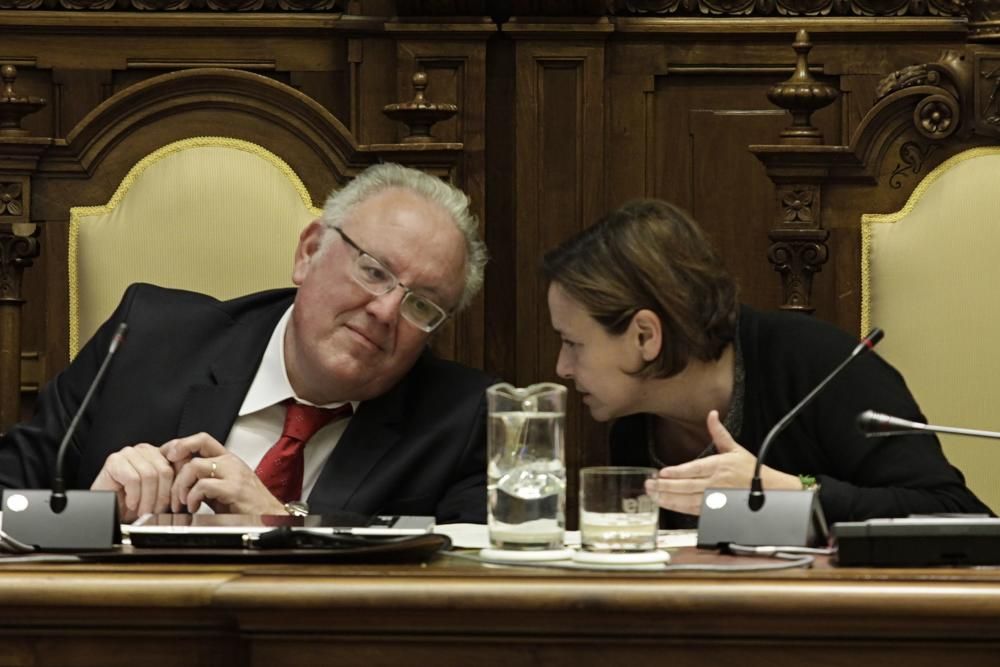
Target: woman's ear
(648,333)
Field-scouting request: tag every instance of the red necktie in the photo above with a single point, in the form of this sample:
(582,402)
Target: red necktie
(283,465)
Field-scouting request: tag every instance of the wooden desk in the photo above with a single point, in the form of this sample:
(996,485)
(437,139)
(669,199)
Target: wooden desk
(458,613)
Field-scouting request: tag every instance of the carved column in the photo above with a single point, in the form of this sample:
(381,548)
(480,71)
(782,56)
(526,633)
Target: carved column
(19,246)
(798,241)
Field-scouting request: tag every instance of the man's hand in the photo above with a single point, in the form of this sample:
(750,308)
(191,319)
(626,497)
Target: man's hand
(141,478)
(206,472)
(681,487)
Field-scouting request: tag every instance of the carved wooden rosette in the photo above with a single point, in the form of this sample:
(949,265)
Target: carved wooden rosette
(419,114)
(940,87)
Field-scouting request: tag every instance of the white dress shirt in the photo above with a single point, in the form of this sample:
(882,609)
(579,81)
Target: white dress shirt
(262,416)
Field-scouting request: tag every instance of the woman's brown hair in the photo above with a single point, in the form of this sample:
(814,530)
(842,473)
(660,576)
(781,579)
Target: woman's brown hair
(650,254)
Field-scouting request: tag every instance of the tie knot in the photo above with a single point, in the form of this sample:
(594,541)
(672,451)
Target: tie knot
(302,421)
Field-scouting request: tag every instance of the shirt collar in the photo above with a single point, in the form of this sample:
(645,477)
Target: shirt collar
(270,385)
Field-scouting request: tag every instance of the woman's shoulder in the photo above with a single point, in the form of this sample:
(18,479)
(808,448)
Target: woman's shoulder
(781,333)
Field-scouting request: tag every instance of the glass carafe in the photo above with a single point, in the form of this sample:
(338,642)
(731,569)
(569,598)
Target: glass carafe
(526,470)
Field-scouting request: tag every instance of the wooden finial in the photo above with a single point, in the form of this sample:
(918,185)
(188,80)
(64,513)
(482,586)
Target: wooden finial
(418,114)
(802,94)
(14,108)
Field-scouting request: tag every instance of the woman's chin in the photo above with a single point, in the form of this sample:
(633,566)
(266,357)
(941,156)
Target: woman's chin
(598,411)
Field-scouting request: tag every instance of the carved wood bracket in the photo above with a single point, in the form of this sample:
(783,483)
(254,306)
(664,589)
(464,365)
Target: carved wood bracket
(945,83)
(798,254)
(18,249)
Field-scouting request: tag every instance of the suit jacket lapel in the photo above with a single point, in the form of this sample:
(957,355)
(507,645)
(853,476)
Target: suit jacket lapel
(371,434)
(212,407)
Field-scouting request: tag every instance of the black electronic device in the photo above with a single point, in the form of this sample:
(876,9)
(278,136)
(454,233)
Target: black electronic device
(244,531)
(789,518)
(59,520)
(918,541)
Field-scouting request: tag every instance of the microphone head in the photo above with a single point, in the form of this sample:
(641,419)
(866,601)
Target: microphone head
(873,337)
(874,423)
(868,421)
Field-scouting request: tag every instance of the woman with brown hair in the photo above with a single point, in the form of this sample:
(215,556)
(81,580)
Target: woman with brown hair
(653,337)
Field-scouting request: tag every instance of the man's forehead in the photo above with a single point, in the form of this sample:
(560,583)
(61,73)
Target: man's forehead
(404,230)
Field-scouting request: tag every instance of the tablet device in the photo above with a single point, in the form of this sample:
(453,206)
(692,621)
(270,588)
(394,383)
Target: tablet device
(241,530)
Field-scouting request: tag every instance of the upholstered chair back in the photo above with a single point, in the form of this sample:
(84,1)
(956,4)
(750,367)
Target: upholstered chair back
(931,279)
(215,215)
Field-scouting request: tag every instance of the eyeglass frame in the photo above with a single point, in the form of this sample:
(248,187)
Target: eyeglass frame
(408,294)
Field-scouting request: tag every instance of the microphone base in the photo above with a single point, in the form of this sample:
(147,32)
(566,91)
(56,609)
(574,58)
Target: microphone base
(88,523)
(787,519)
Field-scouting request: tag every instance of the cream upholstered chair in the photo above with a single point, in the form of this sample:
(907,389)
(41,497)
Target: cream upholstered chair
(210,214)
(931,279)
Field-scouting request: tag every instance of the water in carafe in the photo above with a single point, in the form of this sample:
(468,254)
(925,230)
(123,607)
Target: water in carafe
(526,472)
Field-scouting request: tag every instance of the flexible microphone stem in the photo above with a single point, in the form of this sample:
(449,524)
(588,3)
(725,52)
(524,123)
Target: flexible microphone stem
(58,502)
(879,425)
(756,499)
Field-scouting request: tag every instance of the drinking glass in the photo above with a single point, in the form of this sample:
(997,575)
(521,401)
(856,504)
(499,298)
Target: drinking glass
(616,512)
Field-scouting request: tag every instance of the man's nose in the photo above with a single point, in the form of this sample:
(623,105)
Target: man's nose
(385,307)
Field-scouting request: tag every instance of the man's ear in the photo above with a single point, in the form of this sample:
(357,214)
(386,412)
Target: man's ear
(310,241)
(647,330)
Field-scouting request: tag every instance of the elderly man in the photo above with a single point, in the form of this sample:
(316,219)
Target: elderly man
(326,395)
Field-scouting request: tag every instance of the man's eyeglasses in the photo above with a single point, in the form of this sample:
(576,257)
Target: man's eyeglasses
(378,280)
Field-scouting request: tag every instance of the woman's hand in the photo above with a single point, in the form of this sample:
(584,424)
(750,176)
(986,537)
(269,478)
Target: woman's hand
(680,488)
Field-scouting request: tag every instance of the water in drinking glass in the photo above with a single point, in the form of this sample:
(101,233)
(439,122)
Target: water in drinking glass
(618,531)
(616,513)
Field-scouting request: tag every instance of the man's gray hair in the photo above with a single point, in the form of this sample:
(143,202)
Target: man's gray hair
(379,177)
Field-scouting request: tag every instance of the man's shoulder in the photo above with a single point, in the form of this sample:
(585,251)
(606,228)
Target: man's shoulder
(432,368)
(147,295)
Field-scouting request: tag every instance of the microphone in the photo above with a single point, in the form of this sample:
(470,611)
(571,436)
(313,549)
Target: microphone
(792,518)
(61,520)
(878,425)
(756,488)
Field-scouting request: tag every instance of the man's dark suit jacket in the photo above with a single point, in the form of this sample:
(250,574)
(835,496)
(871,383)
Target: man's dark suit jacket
(185,367)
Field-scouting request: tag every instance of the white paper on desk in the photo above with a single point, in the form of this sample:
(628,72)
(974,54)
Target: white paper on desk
(477,536)
(465,535)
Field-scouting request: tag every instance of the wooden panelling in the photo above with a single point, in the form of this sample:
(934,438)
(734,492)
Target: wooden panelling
(559,119)
(732,197)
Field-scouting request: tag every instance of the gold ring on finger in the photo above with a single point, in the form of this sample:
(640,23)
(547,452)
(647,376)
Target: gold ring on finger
(214,467)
